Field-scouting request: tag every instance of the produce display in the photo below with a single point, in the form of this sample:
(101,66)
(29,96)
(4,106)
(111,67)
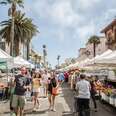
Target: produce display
(108,92)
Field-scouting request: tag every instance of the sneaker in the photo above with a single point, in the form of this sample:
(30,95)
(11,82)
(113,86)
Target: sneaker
(95,110)
(12,114)
(38,107)
(54,110)
(34,109)
(50,108)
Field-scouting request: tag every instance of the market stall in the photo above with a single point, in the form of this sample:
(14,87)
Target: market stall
(108,92)
(19,61)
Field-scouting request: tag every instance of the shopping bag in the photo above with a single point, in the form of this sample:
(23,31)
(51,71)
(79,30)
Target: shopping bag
(55,91)
(28,95)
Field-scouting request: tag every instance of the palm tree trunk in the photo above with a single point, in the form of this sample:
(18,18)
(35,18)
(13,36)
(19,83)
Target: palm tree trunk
(94,49)
(28,49)
(12,37)
(16,47)
(12,26)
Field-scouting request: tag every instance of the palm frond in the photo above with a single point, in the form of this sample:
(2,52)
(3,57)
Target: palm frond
(23,28)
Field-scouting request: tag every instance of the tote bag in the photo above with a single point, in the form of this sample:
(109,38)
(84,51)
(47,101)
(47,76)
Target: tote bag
(55,91)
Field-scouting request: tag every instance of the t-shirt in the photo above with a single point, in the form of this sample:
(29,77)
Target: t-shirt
(83,87)
(45,78)
(36,83)
(21,81)
(61,77)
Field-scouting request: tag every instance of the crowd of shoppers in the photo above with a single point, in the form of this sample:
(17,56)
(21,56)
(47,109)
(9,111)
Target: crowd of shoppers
(46,83)
(37,82)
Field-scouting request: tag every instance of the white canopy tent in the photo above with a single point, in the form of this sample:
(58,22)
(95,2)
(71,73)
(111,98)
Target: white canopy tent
(109,59)
(4,57)
(19,61)
(98,57)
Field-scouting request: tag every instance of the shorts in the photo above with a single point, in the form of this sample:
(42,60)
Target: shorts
(18,101)
(49,93)
(36,90)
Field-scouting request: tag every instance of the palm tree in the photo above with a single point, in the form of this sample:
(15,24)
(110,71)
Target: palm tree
(95,40)
(12,13)
(24,30)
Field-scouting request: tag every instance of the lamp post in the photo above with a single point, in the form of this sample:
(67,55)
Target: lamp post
(58,59)
(44,55)
(35,61)
(39,59)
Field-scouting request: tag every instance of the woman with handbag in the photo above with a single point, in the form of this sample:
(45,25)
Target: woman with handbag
(52,91)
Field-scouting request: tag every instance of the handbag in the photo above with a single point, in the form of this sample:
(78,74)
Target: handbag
(55,91)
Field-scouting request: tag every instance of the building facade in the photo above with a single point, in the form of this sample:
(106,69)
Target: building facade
(100,48)
(88,51)
(110,33)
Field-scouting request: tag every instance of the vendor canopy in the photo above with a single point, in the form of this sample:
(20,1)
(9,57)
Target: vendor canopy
(19,61)
(5,60)
(109,59)
(4,55)
(99,57)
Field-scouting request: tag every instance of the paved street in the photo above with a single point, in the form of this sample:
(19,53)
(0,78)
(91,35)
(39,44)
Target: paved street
(64,103)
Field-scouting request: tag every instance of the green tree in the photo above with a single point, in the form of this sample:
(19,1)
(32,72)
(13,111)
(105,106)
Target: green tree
(95,40)
(12,13)
(24,30)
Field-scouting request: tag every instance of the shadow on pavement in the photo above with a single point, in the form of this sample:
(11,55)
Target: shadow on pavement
(68,96)
(36,112)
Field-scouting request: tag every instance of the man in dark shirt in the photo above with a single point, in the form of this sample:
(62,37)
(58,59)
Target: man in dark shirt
(22,83)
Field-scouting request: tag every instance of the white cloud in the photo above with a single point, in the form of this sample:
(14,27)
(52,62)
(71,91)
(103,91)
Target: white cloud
(84,32)
(85,4)
(65,16)
(59,12)
(110,13)
(62,13)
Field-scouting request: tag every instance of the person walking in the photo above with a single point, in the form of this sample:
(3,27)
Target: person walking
(21,84)
(45,76)
(93,93)
(36,90)
(61,78)
(83,87)
(52,83)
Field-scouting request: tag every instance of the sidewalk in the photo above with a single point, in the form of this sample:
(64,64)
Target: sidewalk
(64,106)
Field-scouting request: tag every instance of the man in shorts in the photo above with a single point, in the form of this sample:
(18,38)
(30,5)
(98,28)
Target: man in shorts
(21,83)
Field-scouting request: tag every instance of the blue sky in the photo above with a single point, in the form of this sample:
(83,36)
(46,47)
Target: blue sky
(65,25)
